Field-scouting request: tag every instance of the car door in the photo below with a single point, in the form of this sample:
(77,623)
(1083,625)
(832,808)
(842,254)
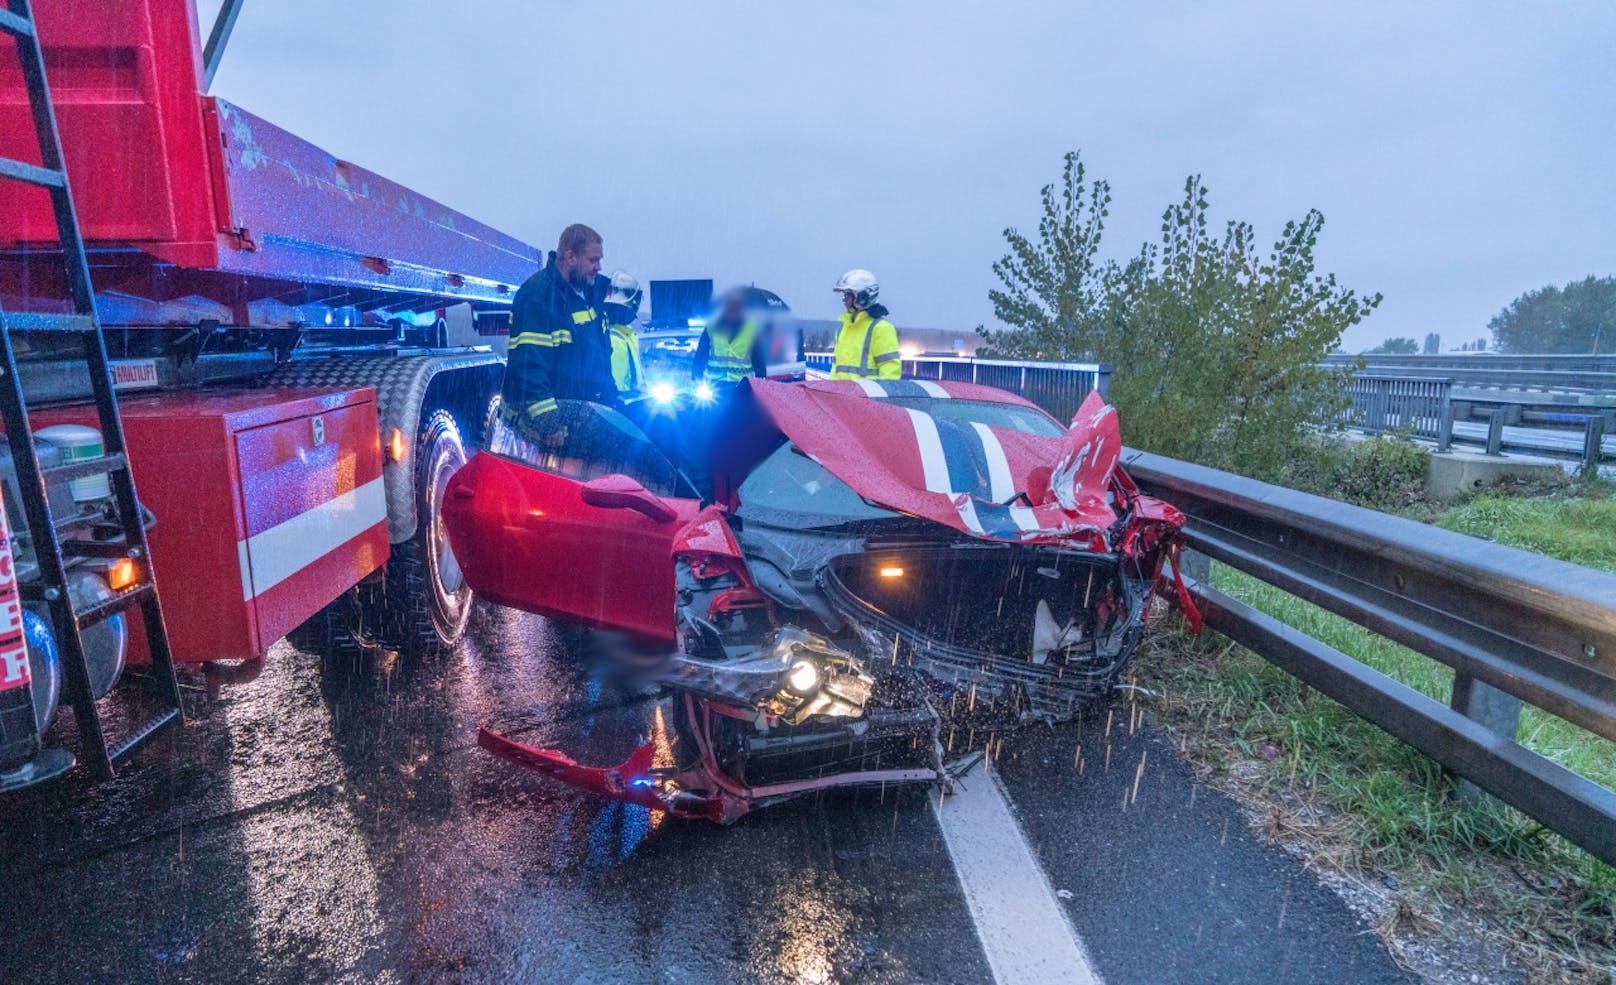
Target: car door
(582,539)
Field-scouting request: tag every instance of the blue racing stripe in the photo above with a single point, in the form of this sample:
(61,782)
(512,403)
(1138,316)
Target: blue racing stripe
(966,458)
(903,388)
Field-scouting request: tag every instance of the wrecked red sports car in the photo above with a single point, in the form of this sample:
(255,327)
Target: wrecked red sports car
(888,573)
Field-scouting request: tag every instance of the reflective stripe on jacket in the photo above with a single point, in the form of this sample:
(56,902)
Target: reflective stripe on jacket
(729,360)
(558,347)
(626,368)
(866,348)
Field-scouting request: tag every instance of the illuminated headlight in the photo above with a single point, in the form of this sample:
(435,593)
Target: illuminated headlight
(704,392)
(803,678)
(664,392)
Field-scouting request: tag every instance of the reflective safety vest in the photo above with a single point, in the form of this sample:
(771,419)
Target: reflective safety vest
(626,369)
(730,360)
(866,349)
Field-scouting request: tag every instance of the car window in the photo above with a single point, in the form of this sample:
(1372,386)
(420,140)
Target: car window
(600,441)
(791,482)
(1011,417)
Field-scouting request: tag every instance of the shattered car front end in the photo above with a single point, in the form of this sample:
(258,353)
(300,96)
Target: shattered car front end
(888,577)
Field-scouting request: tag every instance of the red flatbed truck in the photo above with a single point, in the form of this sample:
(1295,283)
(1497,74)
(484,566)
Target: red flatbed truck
(295,340)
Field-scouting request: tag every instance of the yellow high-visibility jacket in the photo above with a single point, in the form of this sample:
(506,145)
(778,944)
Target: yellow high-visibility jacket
(626,369)
(866,348)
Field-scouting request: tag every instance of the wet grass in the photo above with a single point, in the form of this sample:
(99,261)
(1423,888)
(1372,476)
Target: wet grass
(1393,815)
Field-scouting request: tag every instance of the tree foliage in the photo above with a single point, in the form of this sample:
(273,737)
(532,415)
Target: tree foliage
(1398,346)
(1216,345)
(1580,317)
(1433,344)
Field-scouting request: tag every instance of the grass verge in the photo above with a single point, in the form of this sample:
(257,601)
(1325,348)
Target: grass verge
(1391,816)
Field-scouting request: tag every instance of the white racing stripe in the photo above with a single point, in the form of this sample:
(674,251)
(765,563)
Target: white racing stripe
(1000,486)
(932,463)
(271,556)
(932,389)
(871,388)
(1024,933)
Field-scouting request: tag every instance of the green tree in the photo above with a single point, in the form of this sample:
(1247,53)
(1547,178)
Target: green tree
(1397,347)
(1580,317)
(1216,344)
(1433,343)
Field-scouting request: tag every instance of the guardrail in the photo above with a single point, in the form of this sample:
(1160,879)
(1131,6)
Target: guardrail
(1514,626)
(1056,387)
(1420,405)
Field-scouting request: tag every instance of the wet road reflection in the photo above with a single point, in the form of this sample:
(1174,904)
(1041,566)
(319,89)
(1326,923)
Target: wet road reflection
(334,821)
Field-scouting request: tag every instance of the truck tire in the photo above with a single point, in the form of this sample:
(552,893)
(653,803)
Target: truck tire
(423,602)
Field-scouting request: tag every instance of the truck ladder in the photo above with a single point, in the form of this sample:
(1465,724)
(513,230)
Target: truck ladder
(82,323)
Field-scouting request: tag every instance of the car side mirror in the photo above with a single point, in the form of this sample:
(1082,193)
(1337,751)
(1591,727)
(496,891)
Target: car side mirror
(619,492)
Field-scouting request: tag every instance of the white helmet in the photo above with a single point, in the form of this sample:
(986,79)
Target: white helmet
(862,284)
(625,290)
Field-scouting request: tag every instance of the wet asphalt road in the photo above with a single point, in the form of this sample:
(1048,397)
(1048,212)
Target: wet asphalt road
(334,821)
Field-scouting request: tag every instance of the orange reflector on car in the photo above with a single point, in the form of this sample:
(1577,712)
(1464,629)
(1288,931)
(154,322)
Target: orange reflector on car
(891,572)
(395,446)
(121,574)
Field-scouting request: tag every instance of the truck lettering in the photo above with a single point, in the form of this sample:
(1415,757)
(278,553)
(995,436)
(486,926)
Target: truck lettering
(13,666)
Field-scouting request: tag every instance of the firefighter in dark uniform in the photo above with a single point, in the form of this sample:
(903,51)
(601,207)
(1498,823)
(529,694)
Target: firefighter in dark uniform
(558,349)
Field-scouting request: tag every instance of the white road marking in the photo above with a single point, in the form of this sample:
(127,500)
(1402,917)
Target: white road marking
(1024,933)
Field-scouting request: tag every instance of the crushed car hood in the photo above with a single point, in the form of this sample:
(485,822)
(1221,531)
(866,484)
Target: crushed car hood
(992,483)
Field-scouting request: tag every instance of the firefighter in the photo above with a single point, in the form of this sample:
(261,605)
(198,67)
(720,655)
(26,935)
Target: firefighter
(732,346)
(866,344)
(622,309)
(558,348)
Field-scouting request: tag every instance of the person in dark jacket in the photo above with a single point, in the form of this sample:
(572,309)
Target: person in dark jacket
(558,348)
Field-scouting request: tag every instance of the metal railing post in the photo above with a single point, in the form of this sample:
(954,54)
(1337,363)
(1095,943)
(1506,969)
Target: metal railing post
(1593,444)
(1495,432)
(1490,708)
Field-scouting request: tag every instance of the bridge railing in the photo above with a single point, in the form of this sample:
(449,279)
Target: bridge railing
(1057,387)
(1420,405)
(1514,626)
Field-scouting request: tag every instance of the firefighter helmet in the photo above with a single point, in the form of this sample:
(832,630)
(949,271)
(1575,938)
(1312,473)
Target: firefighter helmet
(862,285)
(625,290)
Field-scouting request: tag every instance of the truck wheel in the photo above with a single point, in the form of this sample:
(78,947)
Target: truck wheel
(424,601)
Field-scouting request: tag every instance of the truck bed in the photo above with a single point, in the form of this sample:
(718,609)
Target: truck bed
(186,196)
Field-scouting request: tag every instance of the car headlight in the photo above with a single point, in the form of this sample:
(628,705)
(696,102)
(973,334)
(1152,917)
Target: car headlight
(803,678)
(664,392)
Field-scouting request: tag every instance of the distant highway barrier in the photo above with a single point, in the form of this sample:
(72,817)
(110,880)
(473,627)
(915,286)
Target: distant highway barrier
(1057,387)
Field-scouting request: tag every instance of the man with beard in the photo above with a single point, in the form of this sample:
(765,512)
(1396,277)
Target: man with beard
(558,349)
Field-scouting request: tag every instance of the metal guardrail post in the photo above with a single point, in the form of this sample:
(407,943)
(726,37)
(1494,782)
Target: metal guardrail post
(1593,444)
(1102,381)
(1490,708)
(1495,433)
(1444,425)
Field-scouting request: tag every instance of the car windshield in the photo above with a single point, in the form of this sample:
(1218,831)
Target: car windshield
(1012,417)
(790,483)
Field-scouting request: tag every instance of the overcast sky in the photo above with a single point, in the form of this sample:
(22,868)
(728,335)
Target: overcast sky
(1461,153)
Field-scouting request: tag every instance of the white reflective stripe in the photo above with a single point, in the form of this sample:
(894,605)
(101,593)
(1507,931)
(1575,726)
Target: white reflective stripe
(932,463)
(932,389)
(274,555)
(1000,486)
(871,388)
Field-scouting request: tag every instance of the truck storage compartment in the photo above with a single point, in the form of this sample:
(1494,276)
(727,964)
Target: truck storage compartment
(269,504)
